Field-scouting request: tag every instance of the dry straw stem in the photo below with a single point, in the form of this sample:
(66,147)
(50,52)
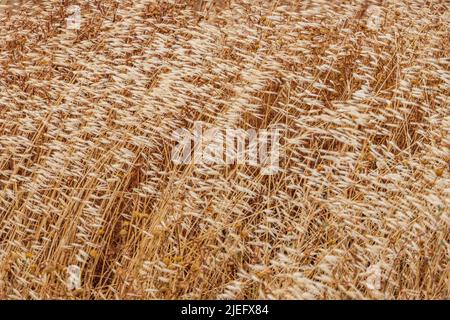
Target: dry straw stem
(86,178)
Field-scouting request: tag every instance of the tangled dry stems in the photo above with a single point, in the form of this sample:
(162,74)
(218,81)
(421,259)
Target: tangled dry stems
(85,139)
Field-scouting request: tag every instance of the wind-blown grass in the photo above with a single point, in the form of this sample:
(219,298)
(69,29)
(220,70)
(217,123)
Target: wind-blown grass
(87,182)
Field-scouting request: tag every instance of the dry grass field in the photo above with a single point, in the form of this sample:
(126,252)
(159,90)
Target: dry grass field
(358,210)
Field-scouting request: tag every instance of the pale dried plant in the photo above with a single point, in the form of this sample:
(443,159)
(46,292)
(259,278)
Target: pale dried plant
(87,182)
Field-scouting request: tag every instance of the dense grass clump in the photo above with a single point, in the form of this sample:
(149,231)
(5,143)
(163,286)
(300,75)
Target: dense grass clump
(358,209)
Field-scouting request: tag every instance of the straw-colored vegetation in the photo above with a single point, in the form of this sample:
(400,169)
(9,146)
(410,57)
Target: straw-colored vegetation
(360,208)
